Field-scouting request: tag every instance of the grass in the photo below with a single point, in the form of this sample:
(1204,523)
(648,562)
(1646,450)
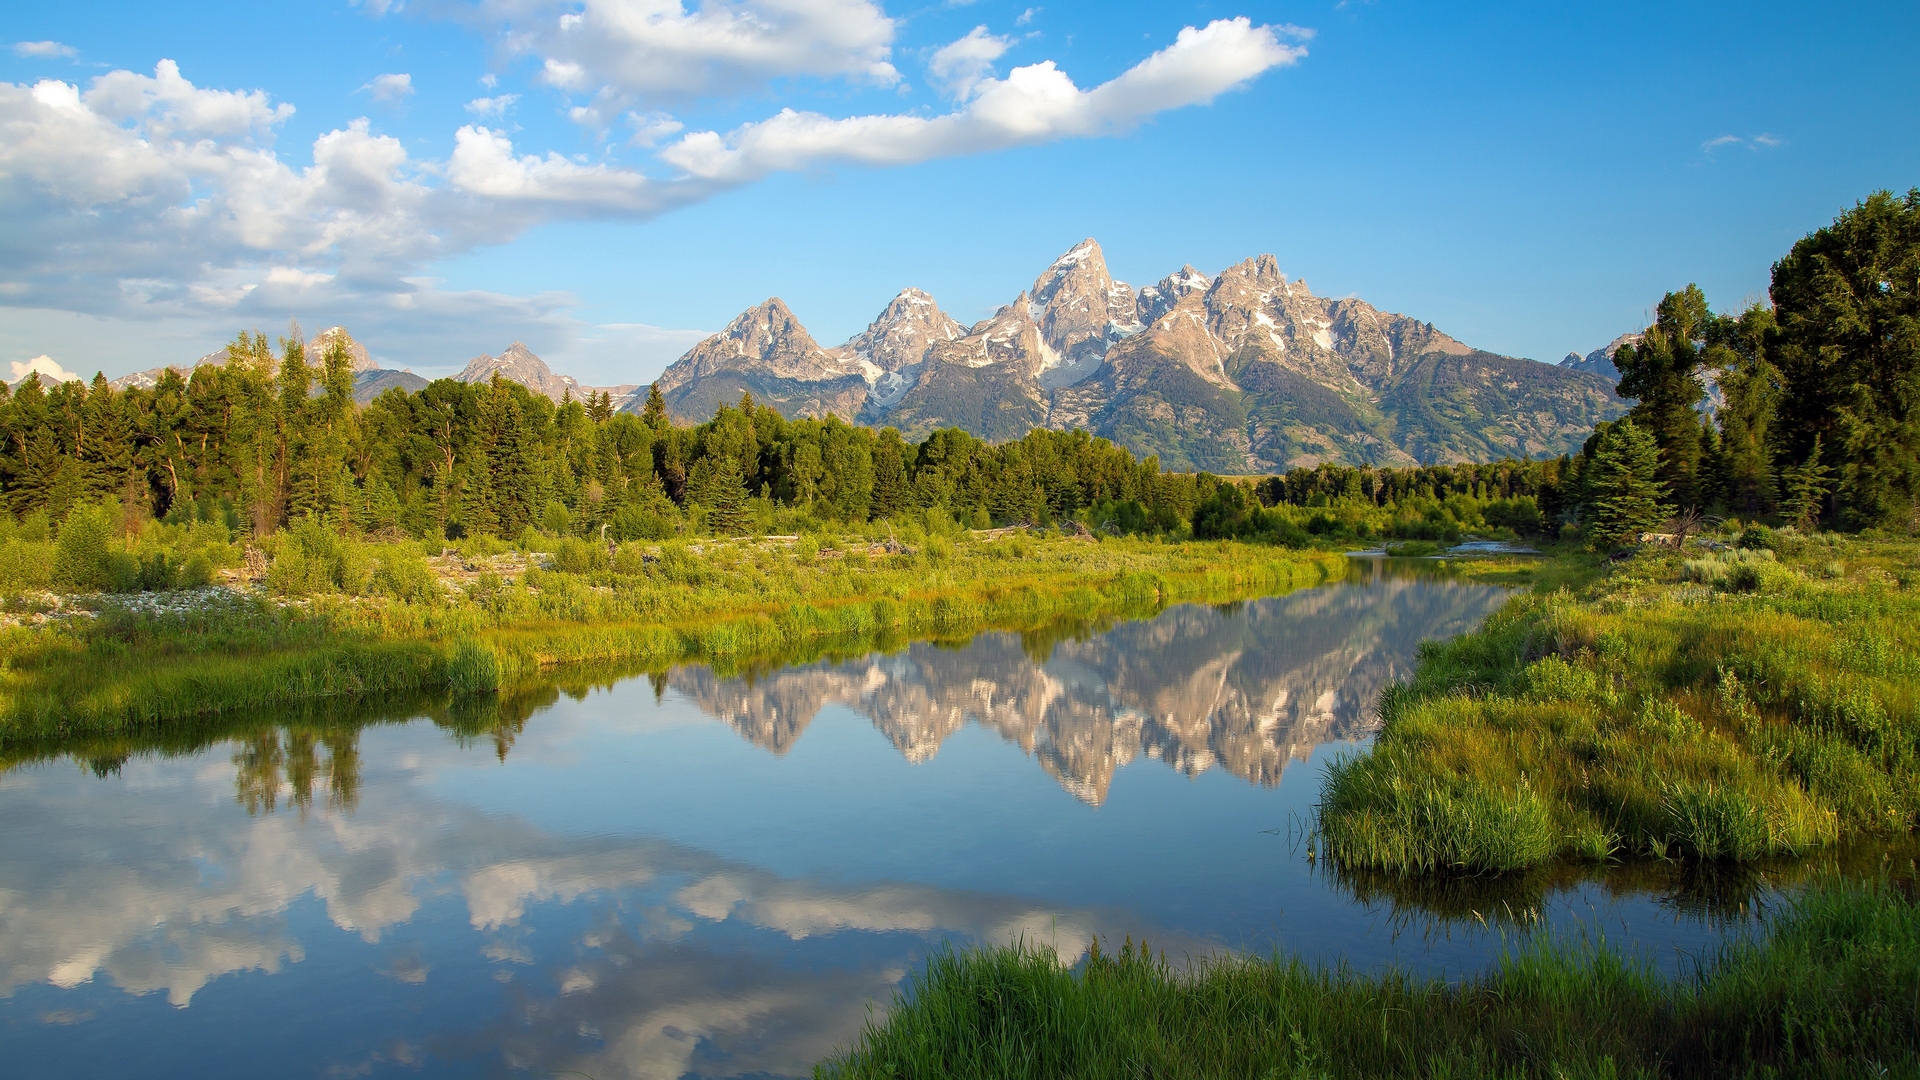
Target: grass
(1830,987)
(1726,704)
(131,671)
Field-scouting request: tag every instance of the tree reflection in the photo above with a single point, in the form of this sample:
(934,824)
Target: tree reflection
(272,765)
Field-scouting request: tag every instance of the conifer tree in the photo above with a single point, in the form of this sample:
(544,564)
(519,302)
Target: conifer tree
(1662,373)
(654,413)
(1628,495)
(1847,299)
(1804,489)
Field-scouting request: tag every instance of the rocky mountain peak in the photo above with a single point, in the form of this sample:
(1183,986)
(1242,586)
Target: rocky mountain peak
(517,363)
(1081,311)
(1157,300)
(769,331)
(909,326)
(317,348)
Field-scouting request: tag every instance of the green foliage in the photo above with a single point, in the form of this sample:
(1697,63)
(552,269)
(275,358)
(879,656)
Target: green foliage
(1627,494)
(312,558)
(84,555)
(1662,373)
(1825,988)
(1847,300)
(1771,712)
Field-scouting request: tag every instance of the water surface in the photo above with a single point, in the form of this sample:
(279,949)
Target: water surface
(716,875)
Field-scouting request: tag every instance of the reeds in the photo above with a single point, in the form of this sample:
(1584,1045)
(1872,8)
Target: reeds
(1826,989)
(725,603)
(1771,712)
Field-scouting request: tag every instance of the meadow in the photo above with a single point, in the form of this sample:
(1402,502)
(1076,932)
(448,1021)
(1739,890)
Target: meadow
(338,618)
(1752,695)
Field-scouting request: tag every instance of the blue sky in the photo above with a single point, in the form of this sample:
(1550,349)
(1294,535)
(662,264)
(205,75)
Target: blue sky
(1529,178)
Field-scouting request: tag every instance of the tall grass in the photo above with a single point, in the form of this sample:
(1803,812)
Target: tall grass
(1827,989)
(1731,706)
(729,603)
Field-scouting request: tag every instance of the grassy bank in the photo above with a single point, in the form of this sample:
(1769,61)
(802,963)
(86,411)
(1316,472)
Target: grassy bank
(1827,989)
(1748,697)
(511,617)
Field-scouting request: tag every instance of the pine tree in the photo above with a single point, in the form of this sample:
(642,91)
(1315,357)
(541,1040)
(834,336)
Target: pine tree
(654,413)
(1662,372)
(1750,385)
(1628,495)
(1804,489)
(1847,299)
(715,483)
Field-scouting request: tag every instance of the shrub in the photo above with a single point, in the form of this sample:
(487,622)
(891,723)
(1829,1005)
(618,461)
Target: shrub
(315,559)
(83,555)
(575,556)
(403,574)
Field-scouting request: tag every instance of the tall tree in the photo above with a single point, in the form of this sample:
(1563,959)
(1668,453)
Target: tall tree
(1751,387)
(1662,373)
(1629,497)
(1847,299)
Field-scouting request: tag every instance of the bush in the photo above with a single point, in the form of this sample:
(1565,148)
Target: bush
(576,556)
(403,574)
(25,564)
(83,556)
(314,559)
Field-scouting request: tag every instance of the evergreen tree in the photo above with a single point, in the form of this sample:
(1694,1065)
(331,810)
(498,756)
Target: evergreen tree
(654,413)
(1804,489)
(1628,494)
(891,490)
(1662,373)
(715,483)
(1847,299)
(1750,385)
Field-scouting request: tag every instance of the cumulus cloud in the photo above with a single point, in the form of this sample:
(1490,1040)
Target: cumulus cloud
(959,67)
(656,49)
(492,107)
(43,50)
(394,87)
(49,370)
(1035,103)
(146,197)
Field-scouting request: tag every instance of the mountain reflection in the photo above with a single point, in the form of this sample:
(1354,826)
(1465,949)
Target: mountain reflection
(1247,686)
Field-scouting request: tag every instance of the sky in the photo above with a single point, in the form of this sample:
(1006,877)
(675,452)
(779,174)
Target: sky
(611,180)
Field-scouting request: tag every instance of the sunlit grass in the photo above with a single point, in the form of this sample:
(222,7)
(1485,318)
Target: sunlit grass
(1826,989)
(1716,705)
(652,605)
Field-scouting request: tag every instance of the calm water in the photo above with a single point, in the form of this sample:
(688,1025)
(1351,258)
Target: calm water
(697,874)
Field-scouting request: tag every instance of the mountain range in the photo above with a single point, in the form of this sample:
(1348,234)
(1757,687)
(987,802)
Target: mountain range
(1242,372)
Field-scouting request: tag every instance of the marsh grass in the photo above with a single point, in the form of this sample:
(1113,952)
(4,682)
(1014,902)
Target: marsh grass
(1732,705)
(649,607)
(1826,989)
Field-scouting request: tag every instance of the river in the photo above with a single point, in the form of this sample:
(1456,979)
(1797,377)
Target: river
(722,873)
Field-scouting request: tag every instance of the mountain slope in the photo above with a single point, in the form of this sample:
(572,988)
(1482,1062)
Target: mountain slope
(1243,372)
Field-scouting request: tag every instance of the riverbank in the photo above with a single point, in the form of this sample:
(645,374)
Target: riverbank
(1826,989)
(1752,695)
(497,622)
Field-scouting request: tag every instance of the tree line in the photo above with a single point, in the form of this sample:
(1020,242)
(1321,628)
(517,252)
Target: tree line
(1817,424)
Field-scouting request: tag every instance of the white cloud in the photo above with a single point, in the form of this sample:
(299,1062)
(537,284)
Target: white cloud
(394,87)
(652,128)
(1763,141)
(1026,16)
(49,370)
(959,67)
(492,107)
(1035,103)
(655,49)
(43,50)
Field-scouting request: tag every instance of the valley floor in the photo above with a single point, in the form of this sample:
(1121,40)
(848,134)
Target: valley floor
(476,623)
